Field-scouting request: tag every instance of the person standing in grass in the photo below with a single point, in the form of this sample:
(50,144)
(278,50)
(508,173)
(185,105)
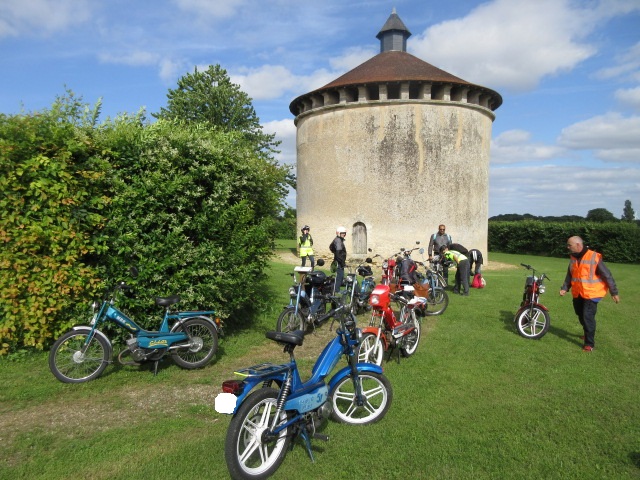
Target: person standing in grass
(589,279)
(305,245)
(436,242)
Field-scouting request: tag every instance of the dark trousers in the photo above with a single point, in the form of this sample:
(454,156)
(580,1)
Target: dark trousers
(339,279)
(311,257)
(462,277)
(586,311)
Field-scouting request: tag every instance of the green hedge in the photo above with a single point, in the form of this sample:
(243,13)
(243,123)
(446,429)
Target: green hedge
(619,242)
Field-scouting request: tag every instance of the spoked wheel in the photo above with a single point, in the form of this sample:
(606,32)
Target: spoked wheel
(71,361)
(437,301)
(410,341)
(372,406)
(204,338)
(248,451)
(371,349)
(532,322)
(290,321)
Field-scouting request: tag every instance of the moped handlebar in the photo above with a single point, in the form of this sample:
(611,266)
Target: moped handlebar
(529,267)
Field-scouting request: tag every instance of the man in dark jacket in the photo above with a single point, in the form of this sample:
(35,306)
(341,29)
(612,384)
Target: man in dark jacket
(436,242)
(339,256)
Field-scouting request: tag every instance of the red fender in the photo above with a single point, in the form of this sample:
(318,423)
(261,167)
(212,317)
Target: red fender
(374,330)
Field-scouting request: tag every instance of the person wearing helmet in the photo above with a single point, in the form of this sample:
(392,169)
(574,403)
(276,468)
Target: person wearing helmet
(339,256)
(305,246)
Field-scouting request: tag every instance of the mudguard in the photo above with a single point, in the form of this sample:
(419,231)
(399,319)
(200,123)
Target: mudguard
(527,305)
(374,330)
(86,328)
(346,371)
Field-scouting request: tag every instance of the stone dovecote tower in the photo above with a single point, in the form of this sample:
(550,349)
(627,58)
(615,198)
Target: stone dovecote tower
(390,150)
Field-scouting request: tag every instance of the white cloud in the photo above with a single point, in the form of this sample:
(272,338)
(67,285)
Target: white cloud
(611,136)
(285,131)
(41,17)
(537,190)
(627,63)
(629,96)
(515,146)
(516,43)
(266,81)
(275,81)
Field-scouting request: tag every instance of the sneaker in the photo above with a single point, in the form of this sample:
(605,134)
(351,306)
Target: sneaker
(587,348)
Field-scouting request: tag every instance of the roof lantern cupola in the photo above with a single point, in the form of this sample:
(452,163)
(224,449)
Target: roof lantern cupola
(393,35)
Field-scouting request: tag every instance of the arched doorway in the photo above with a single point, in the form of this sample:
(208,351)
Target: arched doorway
(359,238)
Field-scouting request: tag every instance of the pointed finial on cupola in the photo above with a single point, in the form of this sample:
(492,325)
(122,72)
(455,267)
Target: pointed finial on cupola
(394,34)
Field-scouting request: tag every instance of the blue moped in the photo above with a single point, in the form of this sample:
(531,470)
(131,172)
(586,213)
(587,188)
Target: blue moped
(267,419)
(82,353)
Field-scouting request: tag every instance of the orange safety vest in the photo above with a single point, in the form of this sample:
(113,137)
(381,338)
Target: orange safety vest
(584,282)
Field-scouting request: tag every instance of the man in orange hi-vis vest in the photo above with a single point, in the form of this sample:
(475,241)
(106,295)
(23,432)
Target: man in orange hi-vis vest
(589,279)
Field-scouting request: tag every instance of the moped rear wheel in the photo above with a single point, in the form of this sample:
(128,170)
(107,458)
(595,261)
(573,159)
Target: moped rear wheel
(70,364)
(373,405)
(532,322)
(290,321)
(371,349)
(204,338)
(437,301)
(248,451)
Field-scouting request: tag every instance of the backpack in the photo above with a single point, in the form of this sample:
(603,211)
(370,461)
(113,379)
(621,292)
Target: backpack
(478,281)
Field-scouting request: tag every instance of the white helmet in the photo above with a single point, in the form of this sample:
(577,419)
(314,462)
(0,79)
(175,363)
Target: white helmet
(340,230)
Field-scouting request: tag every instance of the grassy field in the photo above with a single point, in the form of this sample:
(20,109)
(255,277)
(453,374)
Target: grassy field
(475,401)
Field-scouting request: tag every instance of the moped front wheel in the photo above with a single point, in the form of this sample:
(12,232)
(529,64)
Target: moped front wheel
(249,451)
(437,301)
(410,340)
(532,322)
(371,349)
(367,408)
(204,344)
(71,361)
(290,321)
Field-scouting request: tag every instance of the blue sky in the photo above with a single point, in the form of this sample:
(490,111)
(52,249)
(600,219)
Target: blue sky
(566,139)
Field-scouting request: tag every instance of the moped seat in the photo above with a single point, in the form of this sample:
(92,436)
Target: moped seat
(292,338)
(167,301)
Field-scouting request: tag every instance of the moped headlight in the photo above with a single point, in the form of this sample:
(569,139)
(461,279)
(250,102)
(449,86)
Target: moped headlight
(292,291)
(541,288)
(374,300)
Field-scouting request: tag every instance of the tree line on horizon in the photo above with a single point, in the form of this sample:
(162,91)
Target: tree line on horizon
(599,215)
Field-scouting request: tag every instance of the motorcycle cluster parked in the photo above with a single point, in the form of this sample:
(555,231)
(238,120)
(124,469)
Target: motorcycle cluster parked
(271,406)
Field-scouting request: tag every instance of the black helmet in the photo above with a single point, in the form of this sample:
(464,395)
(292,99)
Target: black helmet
(306,227)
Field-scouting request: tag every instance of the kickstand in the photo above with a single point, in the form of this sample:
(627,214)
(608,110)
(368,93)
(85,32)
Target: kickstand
(307,443)
(391,351)
(155,367)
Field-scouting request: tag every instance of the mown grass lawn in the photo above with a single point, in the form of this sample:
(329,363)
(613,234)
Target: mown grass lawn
(475,401)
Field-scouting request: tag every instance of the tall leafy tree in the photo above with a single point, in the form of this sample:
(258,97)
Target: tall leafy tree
(628,214)
(211,97)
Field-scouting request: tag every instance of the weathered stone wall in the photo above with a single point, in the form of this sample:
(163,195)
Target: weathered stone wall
(400,168)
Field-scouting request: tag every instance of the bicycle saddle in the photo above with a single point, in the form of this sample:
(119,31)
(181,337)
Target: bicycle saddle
(167,301)
(293,338)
